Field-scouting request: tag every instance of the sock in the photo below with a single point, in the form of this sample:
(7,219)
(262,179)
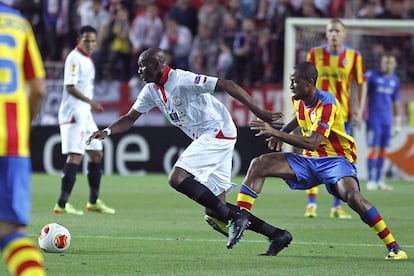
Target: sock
(371,165)
(201,194)
(68,181)
(374,220)
(94,180)
(259,226)
(246,197)
(380,166)
(21,255)
(312,194)
(336,202)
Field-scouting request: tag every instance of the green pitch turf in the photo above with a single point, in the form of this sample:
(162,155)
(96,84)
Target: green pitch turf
(157,231)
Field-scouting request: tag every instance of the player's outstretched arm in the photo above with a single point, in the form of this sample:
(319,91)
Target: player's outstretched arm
(122,124)
(304,142)
(237,92)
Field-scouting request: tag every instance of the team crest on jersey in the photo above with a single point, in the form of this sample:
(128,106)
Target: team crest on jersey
(176,101)
(313,116)
(345,61)
(73,67)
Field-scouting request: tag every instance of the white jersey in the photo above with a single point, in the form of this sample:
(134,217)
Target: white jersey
(75,116)
(187,102)
(80,72)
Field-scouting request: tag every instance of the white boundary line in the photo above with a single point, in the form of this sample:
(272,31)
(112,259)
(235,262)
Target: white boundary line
(242,241)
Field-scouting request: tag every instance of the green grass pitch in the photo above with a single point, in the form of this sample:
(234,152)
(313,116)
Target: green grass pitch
(157,231)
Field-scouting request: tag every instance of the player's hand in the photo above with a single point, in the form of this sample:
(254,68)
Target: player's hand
(274,144)
(276,116)
(96,107)
(263,127)
(357,119)
(100,135)
(270,116)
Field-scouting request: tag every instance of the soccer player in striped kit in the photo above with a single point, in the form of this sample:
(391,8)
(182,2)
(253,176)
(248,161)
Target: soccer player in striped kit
(384,107)
(338,66)
(329,155)
(21,66)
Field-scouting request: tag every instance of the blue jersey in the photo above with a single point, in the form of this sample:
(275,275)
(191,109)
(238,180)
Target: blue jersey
(382,92)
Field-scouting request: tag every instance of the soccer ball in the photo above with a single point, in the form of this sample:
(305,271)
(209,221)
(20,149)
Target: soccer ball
(54,238)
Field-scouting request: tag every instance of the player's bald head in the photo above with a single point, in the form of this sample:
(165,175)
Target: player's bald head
(155,55)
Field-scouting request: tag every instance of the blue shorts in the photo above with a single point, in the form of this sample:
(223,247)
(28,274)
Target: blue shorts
(313,171)
(378,135)
(15,189)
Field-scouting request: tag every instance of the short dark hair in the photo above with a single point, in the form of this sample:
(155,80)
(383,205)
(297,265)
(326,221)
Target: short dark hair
(337,20)
(307,70)
(87,29)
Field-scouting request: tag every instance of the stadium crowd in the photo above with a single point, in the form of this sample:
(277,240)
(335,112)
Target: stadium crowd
(241,40)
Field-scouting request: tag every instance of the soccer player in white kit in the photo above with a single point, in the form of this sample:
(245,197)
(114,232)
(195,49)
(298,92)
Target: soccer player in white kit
(203,171)
(76,124)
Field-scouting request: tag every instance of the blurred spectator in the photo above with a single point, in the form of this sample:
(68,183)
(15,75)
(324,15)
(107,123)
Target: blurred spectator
(139,7)
(394,9)
(93,13)
(308,9)
(67,27)
(50,15)
(323,6)
(224,61)
(264,58)
(283,10)
(211,13)
(371,9)
(176,41)
(204,52)
(233,9)
(146,31)
(185,13)
(227,36)
(229,30)
(265,11)
(120,48)
(243,46)
(248,8)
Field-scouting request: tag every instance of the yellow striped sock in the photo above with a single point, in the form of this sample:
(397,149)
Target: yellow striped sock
(22,257)
(246,197)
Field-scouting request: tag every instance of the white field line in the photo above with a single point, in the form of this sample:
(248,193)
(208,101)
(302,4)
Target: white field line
(244,240)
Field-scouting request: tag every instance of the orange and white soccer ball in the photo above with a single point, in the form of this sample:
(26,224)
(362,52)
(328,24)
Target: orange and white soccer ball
(54,238)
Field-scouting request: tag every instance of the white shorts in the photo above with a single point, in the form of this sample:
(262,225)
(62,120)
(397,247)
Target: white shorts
(209,159)
(74,134)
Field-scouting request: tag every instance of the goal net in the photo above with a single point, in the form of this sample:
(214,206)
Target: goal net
(371,37)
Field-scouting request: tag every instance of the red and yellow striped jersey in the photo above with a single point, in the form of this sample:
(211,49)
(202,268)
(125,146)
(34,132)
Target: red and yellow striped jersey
(323,117)
(336,72)
(20,61)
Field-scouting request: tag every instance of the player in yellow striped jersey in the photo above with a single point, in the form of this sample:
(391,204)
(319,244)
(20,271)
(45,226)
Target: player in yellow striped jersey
(338,66)
(20,66)
(329,155)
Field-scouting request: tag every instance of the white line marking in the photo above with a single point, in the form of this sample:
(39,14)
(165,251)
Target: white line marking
(223,240)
